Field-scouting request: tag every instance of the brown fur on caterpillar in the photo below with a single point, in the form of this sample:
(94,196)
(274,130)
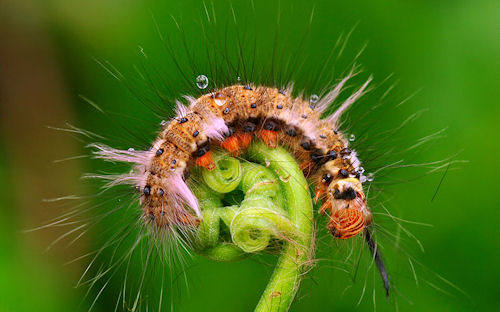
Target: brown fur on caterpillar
(231,118)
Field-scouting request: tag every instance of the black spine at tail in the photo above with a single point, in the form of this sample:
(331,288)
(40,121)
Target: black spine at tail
(378,259)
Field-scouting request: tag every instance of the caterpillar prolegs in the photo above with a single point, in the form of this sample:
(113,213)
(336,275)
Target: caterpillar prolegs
(231,118)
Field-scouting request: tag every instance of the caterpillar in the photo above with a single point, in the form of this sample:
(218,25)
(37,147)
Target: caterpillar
(231,118)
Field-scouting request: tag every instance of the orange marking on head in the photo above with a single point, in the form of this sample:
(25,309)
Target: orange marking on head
(206,161)
(269,137)
(244,139)
(346,223)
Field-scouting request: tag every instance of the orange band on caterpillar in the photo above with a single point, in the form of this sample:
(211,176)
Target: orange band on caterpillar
(231,118)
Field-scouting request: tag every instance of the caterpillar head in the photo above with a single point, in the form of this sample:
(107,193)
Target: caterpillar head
(349,214)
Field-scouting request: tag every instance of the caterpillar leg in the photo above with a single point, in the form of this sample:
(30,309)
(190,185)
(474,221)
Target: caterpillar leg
(206,161)
(244,140)
(327,206)
(270,137)
(231,144)
(188,219)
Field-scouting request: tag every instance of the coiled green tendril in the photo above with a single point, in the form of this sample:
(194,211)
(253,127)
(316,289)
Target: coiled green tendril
(257,206)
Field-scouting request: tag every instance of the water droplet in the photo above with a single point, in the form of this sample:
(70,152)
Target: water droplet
(202,81)
(238,79)
(370,177)
(352,137)
(314,99)
(361,170)
(219,98)
(131,149)
(163,122)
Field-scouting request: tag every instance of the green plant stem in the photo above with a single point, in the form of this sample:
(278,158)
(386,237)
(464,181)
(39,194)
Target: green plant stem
(276,204)
(285,281)
(207,241)
(260,216)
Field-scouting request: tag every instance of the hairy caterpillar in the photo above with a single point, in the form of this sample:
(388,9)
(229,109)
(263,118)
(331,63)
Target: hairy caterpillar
(230,118)
(188,140)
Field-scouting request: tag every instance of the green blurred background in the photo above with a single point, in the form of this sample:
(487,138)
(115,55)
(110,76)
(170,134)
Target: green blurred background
(448,49)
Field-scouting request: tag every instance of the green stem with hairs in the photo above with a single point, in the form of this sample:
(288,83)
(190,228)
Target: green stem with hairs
(276,204)
(293,262)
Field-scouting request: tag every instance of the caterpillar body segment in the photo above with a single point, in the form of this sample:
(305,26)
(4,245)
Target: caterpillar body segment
(231,118)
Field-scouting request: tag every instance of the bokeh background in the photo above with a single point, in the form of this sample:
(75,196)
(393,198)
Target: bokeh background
(449,50)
